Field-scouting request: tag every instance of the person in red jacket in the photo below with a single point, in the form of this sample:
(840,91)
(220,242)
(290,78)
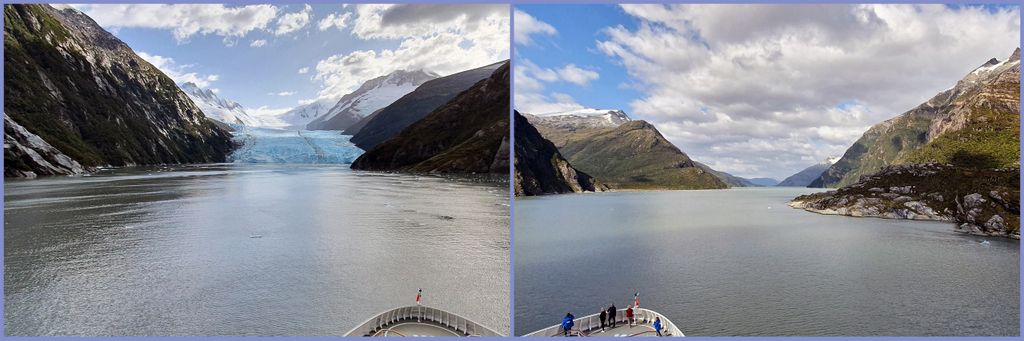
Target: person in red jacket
(629,315)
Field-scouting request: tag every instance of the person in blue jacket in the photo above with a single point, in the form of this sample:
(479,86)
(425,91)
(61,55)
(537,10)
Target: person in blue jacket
(567,323)
(657,325)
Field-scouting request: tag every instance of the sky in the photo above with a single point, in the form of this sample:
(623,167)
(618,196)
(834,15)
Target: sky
(272,57)
(753,90)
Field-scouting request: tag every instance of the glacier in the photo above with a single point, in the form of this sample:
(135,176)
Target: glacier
(269,145)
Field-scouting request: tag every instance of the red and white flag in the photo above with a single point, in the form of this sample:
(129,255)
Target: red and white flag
(419,294)
(636,300)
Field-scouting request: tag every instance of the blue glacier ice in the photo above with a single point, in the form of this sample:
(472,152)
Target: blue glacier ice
(268,145)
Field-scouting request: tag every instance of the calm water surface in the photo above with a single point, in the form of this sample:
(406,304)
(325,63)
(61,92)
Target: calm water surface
(741,262)
(171,251)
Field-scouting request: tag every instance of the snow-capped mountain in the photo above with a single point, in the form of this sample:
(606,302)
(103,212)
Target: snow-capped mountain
(582,119)
(218,108)
(297,118)
(371,96)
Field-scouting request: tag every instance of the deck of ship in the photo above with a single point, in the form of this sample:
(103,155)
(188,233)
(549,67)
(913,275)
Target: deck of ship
(419,321)
(590,325)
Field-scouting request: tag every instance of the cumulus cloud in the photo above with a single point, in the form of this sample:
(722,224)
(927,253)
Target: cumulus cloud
(440,38)
(184,20)
(527,25)
(291,22)
(338,20)
(304,70)
(531,96)
(178,73)
(766,90)
(258,43)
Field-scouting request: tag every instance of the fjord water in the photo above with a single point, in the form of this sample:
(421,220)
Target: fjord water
(241,249)
(741,262)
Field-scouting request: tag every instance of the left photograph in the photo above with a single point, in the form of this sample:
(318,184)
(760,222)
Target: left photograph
(260,170)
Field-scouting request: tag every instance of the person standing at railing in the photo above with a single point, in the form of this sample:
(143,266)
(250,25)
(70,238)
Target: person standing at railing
(611,315)
(567,323)
(657,325)
(604,316)
(629,315)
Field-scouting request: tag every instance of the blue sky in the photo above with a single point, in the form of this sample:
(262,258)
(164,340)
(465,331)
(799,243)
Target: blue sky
(271,57)
(753,90)
(576,38)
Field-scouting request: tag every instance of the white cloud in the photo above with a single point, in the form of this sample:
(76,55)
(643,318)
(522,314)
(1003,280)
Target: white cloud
(282,93)
(440,38)
(184,20)
(304,70)
(291,22)
(178,73)
(530,89)
(335,20)
(527,25)
(766,90)
(258,43)
(573,74)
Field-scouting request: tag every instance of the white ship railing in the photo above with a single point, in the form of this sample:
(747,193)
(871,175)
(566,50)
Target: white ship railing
(585,325)
(419,313)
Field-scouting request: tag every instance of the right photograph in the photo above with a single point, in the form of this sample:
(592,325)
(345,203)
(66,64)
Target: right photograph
(766,170)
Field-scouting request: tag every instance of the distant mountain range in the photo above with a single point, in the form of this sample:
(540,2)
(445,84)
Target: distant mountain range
(75,93)
(804,177)
(217,108)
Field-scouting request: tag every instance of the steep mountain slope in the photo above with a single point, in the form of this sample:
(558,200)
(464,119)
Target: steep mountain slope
(371,96)
(92,98)
(975,122)
(417,104)
(804,177)
(540,168)
(469,134)
(217,108)
(298,117)
(623,153)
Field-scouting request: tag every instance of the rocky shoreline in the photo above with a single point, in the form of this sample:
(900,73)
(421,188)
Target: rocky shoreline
(978,202)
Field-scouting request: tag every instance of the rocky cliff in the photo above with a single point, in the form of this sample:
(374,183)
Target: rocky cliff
(978,201)
(541,169)
(90,97)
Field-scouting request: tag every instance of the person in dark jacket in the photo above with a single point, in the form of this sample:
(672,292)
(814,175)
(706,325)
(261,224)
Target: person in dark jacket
(567,323)
(604,316)
(657,325)
(611,315)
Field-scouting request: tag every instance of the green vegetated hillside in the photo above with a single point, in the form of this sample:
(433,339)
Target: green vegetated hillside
(635,155)
(88,95)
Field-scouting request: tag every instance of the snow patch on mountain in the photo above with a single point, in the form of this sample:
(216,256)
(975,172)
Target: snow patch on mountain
(218,108)
(371,96)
